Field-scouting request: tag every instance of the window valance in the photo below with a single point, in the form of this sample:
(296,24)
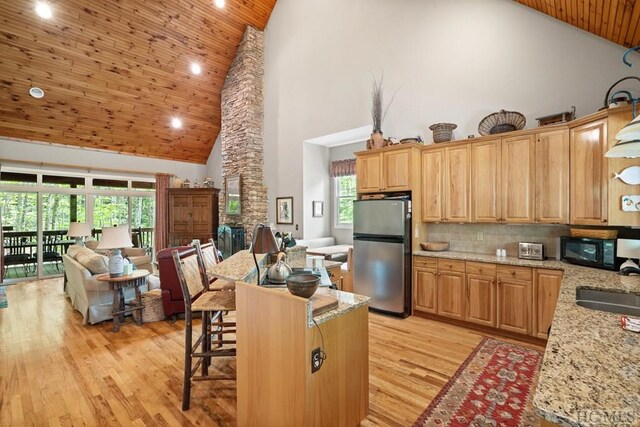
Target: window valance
(343,167)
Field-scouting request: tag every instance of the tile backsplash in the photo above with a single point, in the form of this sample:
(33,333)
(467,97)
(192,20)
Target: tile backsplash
(466,237)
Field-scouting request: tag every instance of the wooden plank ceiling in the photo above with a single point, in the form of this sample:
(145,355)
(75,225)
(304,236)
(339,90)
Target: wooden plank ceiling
(614,20)
(115,72)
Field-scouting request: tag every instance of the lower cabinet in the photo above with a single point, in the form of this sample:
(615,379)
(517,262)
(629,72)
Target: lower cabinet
(425,289)
(511,298)
(514,305)
(451,300)
(481,297)
(546,288)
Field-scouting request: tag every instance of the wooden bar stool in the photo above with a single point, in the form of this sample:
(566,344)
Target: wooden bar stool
(210,303)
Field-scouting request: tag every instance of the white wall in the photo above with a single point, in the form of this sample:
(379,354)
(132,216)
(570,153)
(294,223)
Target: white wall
(214,165)
(316,183)
(452,61)
(83,158)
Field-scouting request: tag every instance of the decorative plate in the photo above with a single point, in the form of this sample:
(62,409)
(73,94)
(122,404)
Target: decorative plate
(502,121)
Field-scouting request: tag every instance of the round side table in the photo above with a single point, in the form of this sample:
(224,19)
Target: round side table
(136,279)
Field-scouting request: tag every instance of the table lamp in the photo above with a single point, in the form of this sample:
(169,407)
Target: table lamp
(263,242)
(115,238)
(79,230)
(630,249)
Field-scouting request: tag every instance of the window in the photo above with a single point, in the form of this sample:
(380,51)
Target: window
(345,191)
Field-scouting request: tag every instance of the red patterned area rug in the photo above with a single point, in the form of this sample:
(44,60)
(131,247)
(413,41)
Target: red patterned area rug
(493,387)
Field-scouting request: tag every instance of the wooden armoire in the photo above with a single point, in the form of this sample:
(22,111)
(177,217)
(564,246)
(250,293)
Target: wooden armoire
(193,214)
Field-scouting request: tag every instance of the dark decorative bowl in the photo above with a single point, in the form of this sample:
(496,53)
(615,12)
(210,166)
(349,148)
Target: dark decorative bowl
(303,285)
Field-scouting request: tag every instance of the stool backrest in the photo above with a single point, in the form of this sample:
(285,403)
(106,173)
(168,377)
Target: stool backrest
(189,275)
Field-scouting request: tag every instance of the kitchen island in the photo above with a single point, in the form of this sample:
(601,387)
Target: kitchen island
(277,338)
(591,366)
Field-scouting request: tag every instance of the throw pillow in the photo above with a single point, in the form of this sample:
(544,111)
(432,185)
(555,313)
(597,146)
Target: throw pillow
(95,263)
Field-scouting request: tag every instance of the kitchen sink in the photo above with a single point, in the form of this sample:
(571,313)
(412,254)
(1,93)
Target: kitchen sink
(612,302)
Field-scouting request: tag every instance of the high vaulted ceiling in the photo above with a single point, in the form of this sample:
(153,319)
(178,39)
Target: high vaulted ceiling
(115,72)
(614,20)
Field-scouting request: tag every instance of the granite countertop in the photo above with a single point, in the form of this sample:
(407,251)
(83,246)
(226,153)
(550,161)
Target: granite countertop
(591,366)
(241,267)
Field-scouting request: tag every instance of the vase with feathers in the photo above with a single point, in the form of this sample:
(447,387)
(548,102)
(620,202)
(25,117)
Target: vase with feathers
(377,116)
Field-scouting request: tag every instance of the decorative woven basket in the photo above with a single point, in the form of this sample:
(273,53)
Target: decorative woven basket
(434,246)
(152,303)
(442,132)
(594,233)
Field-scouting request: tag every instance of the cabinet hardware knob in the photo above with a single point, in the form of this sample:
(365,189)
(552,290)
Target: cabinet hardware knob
(604,219)
(513,272)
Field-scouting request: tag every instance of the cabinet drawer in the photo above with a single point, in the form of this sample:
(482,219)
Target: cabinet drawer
(451,265)
(514,273)
(423,262)
(481,268)
(334,273)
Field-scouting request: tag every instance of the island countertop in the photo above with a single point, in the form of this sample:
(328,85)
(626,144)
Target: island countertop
(591,366)
(240,267)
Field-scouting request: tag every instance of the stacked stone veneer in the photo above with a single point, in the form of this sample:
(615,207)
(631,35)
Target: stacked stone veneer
(242,132)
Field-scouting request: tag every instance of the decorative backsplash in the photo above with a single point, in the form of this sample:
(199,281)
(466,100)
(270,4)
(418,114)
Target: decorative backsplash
(464,237)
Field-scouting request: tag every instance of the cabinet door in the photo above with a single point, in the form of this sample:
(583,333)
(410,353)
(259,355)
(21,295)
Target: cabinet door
(486,203)
(518,179)
(180,214)
(514,305)
(457,184)
(396,167)
(425,290)
(546,287)
(432,175)
(588,173)
(201,216)
(368,173)
(552,177)
(481,297)
(450,294)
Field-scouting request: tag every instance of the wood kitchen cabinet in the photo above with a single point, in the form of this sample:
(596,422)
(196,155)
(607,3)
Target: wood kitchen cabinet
(384,171)
(518,166)
(451,289)
(193,214)
(425,289)
(486,189)
(514,299)
(432,185)
(552,177)
(546,288)
(588,173)
(457,184)
(481,294)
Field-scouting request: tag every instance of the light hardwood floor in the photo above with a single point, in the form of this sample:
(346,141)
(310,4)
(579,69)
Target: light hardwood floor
(54,371)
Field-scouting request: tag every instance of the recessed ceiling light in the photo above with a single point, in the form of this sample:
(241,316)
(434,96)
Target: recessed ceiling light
(196,68)
(44,10)
(36,92)
(176,123)
(219,3)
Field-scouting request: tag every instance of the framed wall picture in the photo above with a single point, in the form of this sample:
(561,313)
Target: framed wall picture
(318,209)
(284,210)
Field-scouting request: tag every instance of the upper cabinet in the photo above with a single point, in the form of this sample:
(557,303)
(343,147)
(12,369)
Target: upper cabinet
(446,184)
(518,179)
(485,181)
(552,177)
(384,171)
(588,145)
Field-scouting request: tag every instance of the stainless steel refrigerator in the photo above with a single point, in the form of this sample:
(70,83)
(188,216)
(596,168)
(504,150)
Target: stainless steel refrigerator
(382,253)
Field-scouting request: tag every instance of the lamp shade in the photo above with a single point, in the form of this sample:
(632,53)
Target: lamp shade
(115,238)
(628,248)
(79,229)
(630,132)
(264,242)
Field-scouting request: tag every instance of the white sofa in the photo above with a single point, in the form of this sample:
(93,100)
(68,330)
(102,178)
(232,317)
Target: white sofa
(93,298)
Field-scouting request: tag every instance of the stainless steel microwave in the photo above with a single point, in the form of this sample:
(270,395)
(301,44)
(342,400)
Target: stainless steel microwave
(598,253)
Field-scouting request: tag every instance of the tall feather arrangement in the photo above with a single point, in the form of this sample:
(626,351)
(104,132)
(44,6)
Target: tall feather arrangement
(377,115)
